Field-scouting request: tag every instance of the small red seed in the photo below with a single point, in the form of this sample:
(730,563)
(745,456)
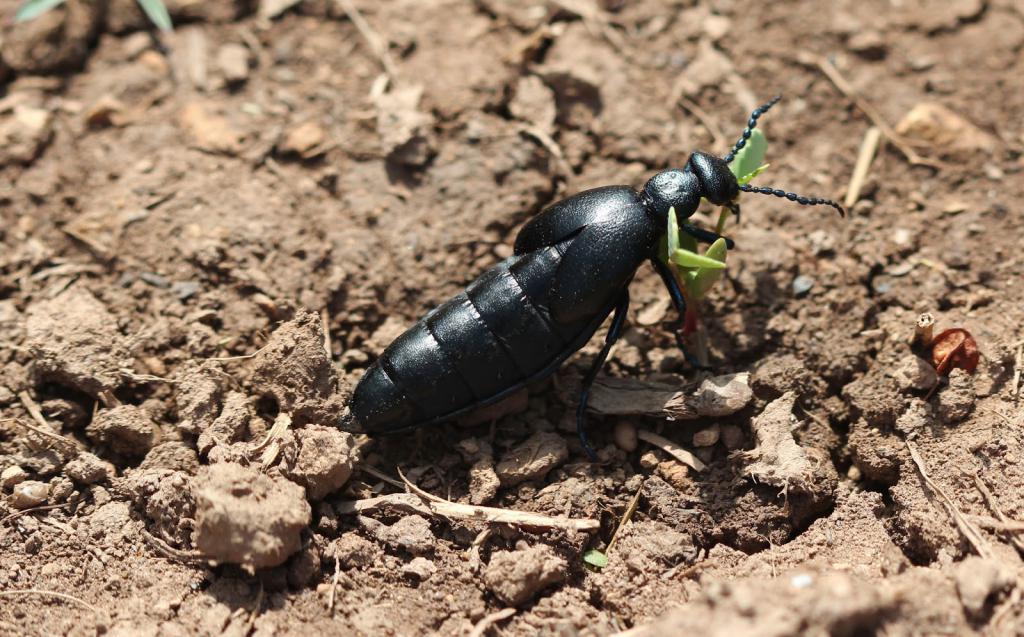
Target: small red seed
(955,348)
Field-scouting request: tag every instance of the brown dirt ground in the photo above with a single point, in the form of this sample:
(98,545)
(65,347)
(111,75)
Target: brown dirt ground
(169,202)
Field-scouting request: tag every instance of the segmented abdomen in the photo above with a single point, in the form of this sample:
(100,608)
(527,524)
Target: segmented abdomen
(486,342)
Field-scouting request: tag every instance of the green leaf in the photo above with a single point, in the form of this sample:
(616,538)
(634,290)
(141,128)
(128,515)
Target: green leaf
(705,278)
(751,156)
(157,13)
(35,8)
(595,558)
(673,231)
(691,259)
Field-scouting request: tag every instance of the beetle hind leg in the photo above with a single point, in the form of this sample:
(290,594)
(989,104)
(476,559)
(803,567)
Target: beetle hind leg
(614,331)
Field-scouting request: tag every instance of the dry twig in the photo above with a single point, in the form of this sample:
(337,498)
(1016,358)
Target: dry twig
(671,448)
(705,119)
(1007,525)
(54,594)
(717,396)
(419,501)
(868,148)
(626,515)
(967,529)
(378,45)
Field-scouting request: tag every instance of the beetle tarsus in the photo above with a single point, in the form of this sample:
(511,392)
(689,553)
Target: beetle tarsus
(614,331)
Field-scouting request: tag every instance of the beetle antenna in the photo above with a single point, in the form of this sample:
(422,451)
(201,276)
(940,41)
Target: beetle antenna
(792,196)
(751,125)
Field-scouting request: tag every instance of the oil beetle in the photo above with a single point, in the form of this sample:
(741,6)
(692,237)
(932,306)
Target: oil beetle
(515,324)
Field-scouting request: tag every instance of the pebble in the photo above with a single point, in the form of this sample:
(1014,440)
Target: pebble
(625,436)
(89,469)
(28,494)
(802,284)
(419,568)
(708,436)
(233,60)
(733,437)
(12,476)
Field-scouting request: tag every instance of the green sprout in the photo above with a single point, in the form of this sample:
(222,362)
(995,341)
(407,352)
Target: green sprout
(154,10)
(595,558)
(697,273)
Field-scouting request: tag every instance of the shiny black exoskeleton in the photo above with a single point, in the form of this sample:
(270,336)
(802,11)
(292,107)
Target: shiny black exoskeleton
(518,321)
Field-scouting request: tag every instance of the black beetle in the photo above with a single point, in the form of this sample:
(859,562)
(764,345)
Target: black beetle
(521,319)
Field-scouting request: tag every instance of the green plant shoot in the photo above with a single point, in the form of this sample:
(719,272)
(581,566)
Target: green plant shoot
(699,272)
(155,10)
(595,558)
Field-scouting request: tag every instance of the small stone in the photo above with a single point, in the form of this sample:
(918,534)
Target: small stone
(913,372)
(802,284)
(324,460)
(304,567)
(12,476)
(413,534)
(353,551)
(233,60)
(128,429)
(23,134)
(532,459)
(104,112)
(28,494)
(210,132)
(419,568)
(515,577)
(624,434)
(978,579)
(305,140)
(869,44)
(956,401)
(648,460)
(708,436)
(733,437)
(89,469)
(483,481)
(935,124)
(60,489)
(675,473)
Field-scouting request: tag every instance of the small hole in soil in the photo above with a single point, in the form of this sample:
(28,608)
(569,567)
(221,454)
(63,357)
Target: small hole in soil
(267,408)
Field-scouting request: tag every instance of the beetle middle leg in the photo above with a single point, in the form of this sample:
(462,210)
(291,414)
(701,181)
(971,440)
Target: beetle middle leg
(679,301)
(614,331)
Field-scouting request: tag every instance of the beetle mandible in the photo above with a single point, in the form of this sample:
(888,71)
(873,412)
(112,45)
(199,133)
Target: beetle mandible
(516,323)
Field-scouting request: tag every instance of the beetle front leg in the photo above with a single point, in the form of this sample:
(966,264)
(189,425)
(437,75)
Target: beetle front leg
(706,236)
(679,301)
(614,331)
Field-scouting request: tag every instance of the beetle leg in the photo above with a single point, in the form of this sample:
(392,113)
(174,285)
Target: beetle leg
(700,234)
(614,331)
(679,301)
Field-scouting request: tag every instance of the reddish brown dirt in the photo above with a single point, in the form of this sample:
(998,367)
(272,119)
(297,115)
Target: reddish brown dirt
(235,186)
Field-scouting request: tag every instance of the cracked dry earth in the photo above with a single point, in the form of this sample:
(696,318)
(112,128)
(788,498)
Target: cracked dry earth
(207,235)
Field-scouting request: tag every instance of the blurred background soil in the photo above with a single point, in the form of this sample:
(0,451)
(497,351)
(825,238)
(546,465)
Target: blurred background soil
(207,235)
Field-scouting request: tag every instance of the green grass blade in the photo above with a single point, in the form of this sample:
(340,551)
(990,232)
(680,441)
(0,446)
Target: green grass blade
(34,8)
(157,13)
(751,156)
(690,259)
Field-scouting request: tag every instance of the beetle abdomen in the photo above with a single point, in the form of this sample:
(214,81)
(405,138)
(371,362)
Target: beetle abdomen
(474,349)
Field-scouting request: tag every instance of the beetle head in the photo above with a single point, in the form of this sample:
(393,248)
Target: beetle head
(717,183)
(679,189)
